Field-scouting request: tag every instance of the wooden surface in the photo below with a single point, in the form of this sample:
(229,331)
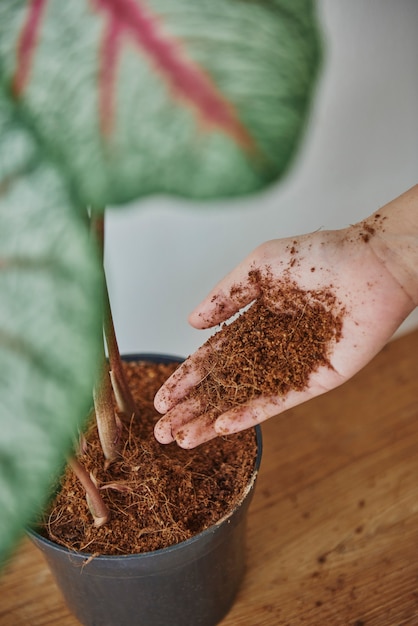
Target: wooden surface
(333,527)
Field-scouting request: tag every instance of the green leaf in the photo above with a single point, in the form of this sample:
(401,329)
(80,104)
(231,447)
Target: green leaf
(50,327)
(103,101)
(189,97)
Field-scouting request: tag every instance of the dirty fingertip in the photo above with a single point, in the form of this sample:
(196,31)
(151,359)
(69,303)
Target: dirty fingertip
(162,432)
(161,402)
(199,319)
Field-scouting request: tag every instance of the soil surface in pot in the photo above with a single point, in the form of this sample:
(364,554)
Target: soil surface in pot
(160,495)
(157,495)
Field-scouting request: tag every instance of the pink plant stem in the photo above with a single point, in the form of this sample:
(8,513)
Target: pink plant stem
(107,425)
(95,501)
(124,399)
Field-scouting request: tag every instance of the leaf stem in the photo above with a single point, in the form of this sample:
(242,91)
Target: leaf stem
(106,419)
(123,395)
(95,502)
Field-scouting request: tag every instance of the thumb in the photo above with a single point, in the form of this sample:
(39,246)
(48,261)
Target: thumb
(236,290)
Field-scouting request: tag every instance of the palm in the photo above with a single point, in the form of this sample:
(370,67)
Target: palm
(342,261)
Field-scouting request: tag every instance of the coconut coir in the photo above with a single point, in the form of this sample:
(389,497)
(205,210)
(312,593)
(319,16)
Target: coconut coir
(161,495)
(272,348)
(157,495)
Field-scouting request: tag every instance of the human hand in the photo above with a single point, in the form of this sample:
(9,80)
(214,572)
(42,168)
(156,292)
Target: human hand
(333,302)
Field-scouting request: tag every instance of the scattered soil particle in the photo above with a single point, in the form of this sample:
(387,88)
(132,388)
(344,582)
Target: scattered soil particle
(337,586)
(369,227)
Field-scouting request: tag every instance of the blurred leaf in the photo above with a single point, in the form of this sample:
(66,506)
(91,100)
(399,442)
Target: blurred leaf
(188,97)
(103,101)
(49,327)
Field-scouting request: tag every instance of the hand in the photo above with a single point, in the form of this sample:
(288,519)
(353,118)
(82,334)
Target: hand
(348,263)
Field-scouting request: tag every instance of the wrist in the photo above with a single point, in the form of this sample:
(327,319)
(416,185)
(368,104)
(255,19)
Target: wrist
(392,233)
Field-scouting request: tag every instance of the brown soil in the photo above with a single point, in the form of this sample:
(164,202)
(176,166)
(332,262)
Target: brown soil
(272,348)
(160,495)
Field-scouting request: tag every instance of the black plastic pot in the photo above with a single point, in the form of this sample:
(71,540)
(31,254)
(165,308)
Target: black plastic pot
(193,583)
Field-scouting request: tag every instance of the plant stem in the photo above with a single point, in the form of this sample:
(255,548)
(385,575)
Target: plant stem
(123,395)
(124,399)
(106,419)
(97,507)
(107,423)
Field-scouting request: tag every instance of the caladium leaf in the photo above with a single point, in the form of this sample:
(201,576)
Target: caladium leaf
(50,326)
(103,101)
(193,97)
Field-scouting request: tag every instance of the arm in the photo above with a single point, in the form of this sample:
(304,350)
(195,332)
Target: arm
(370,272)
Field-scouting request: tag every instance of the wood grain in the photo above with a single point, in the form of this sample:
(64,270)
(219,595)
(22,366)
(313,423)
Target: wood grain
(333,527)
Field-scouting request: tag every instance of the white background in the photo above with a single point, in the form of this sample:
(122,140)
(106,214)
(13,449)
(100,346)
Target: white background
(359,152)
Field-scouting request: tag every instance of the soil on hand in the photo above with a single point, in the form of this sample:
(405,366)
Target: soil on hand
(157,495)
(272,348)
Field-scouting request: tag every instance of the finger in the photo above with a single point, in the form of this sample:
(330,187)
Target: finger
(197,431)
(259,410)
(190,428)
(166,428)
(185,377)
(232,293)
(203,428)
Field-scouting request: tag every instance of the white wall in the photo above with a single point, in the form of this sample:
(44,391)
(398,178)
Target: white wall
(360,151)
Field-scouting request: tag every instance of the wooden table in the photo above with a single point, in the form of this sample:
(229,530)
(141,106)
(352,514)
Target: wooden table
(333,527)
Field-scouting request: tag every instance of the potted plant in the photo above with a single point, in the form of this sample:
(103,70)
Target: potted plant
(102,102)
